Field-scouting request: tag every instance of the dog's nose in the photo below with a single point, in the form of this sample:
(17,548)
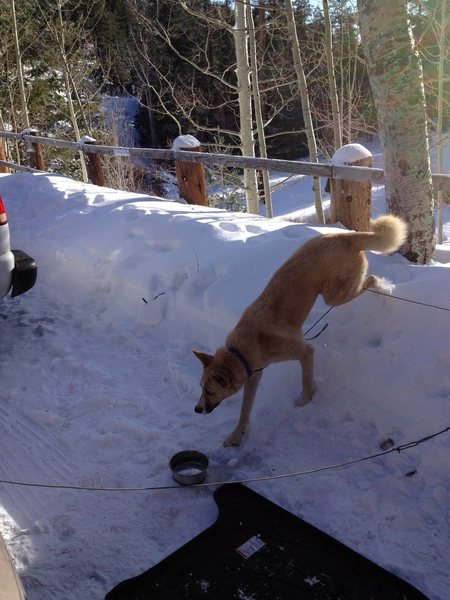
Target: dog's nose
(198,409)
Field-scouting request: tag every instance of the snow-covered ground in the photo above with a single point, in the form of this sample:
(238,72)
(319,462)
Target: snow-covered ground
(99,383)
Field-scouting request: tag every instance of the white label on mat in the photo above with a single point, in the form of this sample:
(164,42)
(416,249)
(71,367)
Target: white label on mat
(251,546)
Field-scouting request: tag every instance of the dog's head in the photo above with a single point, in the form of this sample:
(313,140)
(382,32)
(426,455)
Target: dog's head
(218,381)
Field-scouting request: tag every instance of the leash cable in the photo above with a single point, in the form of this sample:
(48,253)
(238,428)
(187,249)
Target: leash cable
(398,449)
(408,300)
(437,307)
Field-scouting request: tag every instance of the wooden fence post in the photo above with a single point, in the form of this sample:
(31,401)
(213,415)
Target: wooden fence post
(190,176)
(3,156)
(93,163)
(351,200)
(34,151)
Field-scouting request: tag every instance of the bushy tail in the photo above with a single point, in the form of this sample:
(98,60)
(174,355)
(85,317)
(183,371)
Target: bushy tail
(387,234)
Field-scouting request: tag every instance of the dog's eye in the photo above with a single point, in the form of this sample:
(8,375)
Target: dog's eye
(208,393)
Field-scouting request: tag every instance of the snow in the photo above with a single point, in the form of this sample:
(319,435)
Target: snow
(349,154)
(87,139)
(29,131)
(184,142)
(99,384)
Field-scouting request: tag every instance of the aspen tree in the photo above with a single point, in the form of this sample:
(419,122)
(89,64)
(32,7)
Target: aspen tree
(442,29)
(258,109)
(395,74)
(59,34)
(303,89)
(337,128)
(245,103)
(23,98)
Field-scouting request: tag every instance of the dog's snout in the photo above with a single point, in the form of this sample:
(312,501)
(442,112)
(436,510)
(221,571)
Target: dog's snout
(198,409)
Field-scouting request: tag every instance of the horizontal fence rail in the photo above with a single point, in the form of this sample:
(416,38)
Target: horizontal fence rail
(351,173)
(19,168)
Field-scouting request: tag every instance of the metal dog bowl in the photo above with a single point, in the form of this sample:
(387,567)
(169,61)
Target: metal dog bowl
(189,467)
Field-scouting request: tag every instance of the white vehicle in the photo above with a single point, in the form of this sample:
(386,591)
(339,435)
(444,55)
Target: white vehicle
(17,269)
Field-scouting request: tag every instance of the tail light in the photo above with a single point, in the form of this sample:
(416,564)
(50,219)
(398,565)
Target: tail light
(3,219)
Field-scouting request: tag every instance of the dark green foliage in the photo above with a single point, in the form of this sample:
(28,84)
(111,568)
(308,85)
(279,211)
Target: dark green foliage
(111,25)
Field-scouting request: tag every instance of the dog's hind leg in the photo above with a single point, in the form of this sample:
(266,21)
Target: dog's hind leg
(340,291)
(250,387)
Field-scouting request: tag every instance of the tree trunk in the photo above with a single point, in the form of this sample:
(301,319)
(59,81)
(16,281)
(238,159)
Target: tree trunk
(395,74)
(258,109)
(303,89)
(23,99)
(440,117)
(68,87)
(337,129)
(245,104)
(151,117)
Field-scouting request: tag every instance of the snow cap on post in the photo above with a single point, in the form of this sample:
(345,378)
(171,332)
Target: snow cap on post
(29,131)
(87,139)
(349,154)
(186,142)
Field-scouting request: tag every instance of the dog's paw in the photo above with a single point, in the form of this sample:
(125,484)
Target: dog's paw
(379,284)
(305,397)
(384,285)
(234,439)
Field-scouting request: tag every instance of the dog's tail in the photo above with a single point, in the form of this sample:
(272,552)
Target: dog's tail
(387,234)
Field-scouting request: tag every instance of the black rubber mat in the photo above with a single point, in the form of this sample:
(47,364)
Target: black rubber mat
(259,551)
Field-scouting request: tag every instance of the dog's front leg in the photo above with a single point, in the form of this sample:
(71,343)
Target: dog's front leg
(250,387)
(306,362)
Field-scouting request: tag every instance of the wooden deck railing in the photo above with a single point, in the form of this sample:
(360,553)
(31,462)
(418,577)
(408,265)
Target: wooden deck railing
(93,153)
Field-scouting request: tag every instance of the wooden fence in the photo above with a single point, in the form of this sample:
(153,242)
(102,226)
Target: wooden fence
(350,173)
(93,153)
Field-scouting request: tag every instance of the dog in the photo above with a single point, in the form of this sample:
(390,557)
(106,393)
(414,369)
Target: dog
(269,330)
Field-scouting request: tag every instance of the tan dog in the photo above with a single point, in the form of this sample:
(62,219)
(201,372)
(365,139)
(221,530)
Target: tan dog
(269,330)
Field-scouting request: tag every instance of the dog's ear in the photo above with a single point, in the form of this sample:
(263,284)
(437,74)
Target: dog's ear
(203,357)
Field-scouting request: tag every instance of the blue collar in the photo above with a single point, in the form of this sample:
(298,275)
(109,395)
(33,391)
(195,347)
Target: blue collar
(235,352)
